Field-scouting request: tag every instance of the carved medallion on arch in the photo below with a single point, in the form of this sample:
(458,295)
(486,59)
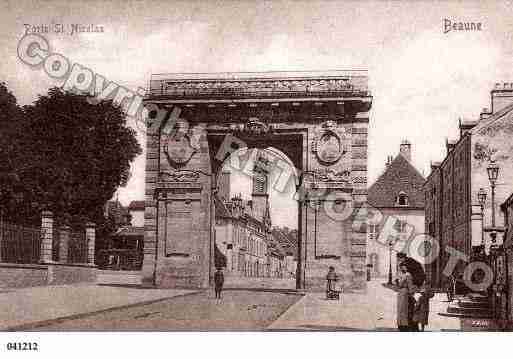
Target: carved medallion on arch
(181,143)
(330,143)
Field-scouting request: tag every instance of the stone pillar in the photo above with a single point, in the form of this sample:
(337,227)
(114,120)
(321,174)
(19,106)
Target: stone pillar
(46,236)
(64,234)
(90,239)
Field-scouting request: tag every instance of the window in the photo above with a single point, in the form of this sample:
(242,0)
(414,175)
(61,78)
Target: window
(402,199)
(401,226)
(373,231)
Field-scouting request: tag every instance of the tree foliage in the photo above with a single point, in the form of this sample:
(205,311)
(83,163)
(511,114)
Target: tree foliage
(10,183)
(70,155)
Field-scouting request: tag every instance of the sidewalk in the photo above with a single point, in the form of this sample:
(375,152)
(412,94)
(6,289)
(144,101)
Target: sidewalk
(374,310)
(22,308)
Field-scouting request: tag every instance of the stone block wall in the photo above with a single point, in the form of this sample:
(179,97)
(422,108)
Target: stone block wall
(33,275)
(46,271)
(71,274)
(22,275)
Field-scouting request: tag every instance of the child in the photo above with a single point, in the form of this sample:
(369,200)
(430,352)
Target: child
(421,311)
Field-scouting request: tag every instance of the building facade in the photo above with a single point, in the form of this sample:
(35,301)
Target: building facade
(243,231)
(242,238)
(454,216)
(503,281)
(397,195)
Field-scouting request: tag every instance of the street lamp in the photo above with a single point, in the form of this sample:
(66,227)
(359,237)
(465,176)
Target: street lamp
(493,174)
(481,198)
(300,270)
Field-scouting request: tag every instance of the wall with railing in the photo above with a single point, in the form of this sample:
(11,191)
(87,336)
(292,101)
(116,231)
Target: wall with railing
(50,254)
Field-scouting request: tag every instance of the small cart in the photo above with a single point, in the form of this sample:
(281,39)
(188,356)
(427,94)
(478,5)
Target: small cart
(331,290)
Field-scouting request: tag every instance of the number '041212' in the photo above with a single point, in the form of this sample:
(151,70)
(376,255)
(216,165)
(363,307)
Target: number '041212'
(22,346)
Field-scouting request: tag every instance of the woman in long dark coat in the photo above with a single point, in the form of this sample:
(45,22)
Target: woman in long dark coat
(406,289)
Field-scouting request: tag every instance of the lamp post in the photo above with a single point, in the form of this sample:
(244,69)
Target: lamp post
(493,174)
(481,197)
(300,268)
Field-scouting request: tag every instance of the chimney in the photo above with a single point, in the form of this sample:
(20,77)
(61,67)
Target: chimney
(466,126)
(485,113)
(434,166)
(449,145)
(405,150)
(502,96)
(389,161)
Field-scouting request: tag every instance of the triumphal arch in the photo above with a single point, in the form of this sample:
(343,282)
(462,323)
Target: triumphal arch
(318,119)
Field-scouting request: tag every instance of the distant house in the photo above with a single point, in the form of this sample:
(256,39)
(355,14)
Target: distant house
(116,211)
(136,211)
(243,231)
(242,238)
(288,245)
(123,250)
(126,249)
(397,193)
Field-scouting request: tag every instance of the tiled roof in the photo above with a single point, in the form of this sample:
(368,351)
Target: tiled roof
(496,116)
(287,244)
(136,205)
(400,176)
(130,231)
(274,246)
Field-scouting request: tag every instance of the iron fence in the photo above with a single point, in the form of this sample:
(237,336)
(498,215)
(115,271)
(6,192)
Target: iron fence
(55,244)
(77,250)
(19,244)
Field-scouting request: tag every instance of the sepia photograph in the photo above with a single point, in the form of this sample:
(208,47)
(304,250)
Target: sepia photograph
(210,167)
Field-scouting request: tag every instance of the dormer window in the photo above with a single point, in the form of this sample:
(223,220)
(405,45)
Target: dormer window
(402,199)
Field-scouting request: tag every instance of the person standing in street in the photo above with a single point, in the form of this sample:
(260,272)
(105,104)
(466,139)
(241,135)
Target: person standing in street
(418,277)
(406,289)
(421,313)
(218,282)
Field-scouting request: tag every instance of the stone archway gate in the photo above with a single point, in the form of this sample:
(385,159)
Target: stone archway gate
(318,119)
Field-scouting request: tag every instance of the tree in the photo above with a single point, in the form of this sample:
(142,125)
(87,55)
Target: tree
(11,191)
(73,155)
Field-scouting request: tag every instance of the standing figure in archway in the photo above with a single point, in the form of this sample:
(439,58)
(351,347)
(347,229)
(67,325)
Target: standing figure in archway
(218,282)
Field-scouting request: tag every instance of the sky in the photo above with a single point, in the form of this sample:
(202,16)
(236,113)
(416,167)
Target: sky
(422,79)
